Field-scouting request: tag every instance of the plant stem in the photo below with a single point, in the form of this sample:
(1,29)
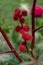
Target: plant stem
(26,47)
(10,45)
(37,28)
(33,55)
(5,52)
(33,24)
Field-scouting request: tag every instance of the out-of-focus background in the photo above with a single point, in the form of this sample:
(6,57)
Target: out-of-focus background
(7,23)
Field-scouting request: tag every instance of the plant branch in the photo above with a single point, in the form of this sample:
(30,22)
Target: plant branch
(26,47)
(10,45)
(5,52)
(37,28)
(33,56)
(33,24)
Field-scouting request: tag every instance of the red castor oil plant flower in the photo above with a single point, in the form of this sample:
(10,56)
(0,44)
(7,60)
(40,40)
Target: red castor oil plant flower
(17,28)
(21,20)
(26,28)
(38,11)
(21,48)
(27,37)
(24,13)
(15,17)
(22,31)
(16,14)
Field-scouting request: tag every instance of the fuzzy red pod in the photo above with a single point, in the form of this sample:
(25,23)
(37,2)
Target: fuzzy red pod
(17,28)
(22,31)
(15,17)
(21,20)
(26,28)
(22,48)
(24,13)
(27,37)
(16,14)
(38,11)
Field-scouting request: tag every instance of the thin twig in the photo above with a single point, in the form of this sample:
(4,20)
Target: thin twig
(27,48)
(37,28)
(33,56)
(5,52)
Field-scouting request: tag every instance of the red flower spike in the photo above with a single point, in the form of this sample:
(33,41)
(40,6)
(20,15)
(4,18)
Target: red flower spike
(17,28)
(27,37)
(21,20)
(22,31)
(22,47)
(24,13)
(26,28)
(16,14)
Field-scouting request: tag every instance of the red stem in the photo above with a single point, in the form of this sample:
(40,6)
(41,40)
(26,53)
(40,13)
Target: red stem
(5,52)
(33,24)
(37,28)
(26,47)
(10,45)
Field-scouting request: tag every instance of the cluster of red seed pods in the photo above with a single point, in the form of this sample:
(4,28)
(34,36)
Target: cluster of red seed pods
(19,15)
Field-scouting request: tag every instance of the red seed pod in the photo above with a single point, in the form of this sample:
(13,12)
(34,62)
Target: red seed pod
(22,47)
(24,13)
(15,17)
(22,31)
(26,28)
(21,20)
(16,14)
(38,11)
(17,28)
(27,37)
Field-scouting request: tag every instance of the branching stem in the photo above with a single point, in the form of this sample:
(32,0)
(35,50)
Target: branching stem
(37,28)
(10,45)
